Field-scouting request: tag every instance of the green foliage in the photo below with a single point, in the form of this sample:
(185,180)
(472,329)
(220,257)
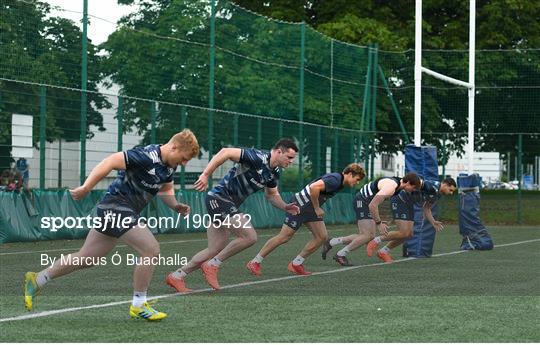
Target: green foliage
(38,48)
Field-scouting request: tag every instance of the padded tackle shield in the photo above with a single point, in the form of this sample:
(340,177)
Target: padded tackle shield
(422,161)
(473,232)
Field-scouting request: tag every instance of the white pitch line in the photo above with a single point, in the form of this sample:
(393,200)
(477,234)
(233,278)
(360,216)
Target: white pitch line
(164,242)
(256,282)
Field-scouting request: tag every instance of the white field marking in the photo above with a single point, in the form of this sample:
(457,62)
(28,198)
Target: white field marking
(256,282)
(164,242)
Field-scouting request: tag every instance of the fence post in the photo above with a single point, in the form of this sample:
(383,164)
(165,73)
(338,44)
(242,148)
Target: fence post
(335,152)
(375,63)
(519,177)
(84,80)
(120,125)
(211,86)
(183,122)
(42,134)
(259,132)
(301,107)
(235,130)
(318,170)
(443,154)
(153,116)
(365,107)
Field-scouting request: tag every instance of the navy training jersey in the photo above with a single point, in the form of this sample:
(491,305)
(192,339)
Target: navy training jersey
(429,192)
(333,183)
(145,174)
(251,174)
(369,190)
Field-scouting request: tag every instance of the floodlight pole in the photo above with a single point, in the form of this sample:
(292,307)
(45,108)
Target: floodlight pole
(472,51)
(418,73)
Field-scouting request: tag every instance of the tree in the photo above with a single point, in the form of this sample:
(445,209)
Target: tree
(162,53)
(38,49)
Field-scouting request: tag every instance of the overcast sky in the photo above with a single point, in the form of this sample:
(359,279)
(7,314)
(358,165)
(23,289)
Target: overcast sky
(98,30)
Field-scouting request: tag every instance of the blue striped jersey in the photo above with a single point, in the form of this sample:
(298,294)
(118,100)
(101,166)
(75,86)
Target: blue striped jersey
(251,174)
(145,174)
(333,183)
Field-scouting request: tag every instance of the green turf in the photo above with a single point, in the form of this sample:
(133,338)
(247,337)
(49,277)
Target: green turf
(467,297)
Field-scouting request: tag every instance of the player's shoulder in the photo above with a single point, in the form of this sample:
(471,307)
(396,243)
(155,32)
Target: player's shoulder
(431,185)
(332,177)
(255,155)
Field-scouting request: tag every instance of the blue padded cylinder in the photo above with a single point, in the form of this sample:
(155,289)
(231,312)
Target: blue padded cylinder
(474,233)
(422,161)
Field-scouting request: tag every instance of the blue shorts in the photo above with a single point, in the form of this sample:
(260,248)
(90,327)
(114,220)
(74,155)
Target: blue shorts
(361,208)
(307,214)
(220,208)
(403,206)
(116,221)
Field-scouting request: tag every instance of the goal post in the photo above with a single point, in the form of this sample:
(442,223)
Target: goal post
(419,69)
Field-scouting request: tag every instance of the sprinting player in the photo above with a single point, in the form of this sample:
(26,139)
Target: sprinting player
(403,212)
(310,199)
(143,173)
(254,170)
(366,206)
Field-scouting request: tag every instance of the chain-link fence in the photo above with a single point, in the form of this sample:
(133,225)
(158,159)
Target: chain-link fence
(237,78)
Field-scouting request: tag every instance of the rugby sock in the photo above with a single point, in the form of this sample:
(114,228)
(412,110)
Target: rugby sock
(298,261)
(258,259)
(215,262)
(344,251)
(385,250)
(43,278)
(336,240)
(179,274)
(139,298)
(377,239)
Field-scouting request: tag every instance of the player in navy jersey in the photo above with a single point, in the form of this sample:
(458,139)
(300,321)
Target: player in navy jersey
(310,199)
(143,173)
(366,206)
(403,213)
(254,170)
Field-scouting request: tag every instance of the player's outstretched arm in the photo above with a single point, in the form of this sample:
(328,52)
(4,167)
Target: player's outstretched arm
(166,194)
(429,216)
(273,197)
(221,157)
(113,162)
(386,190)
(315,190)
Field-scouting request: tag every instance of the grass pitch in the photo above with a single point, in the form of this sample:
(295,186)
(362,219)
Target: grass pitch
(490,296)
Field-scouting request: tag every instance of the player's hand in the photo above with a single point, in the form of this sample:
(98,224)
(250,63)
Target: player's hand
(383,228)
(319,212)
(78,193)
(182,208)
(202,183)
(292,208)
(438,225)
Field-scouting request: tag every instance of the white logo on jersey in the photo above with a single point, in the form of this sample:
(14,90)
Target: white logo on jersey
(259,172)
(263,157)
(152,171)
(154,156)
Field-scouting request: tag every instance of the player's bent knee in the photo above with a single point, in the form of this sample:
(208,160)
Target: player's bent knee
(251,239)
(153,250)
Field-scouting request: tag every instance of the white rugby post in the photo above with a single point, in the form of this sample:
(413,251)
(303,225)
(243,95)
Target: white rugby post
(418,70)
